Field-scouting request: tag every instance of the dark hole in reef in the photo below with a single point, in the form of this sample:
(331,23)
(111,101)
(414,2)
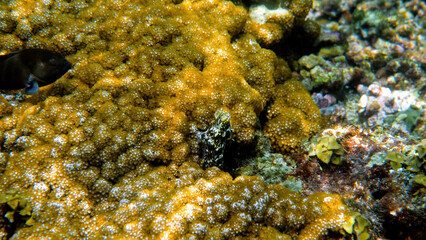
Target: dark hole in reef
(422,91)
(235,37)
(298,44)
(197,59)
(9,228)
(237,155)
(407,225)
(331,235)
(199,64)
(379,172)
(263,114)
(379,194)
(177,1)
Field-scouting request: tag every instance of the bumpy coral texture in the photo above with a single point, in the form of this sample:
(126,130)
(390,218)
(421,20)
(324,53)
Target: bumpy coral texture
(293,116)
(148,76)
(187,202)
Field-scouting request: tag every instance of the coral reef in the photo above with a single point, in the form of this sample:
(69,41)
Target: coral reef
(378,103)
(122,147)
(385,188)
(367,75)
(329,106)
(187,202)
(331,74)
(147,80)
(292,117)
(371,45)
(144,86)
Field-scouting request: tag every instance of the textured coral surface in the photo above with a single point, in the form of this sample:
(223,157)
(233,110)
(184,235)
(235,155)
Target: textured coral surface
(293,116)
(186,202)
(147,77)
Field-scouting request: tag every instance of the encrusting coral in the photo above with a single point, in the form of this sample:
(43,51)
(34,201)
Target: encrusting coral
(144,85)
(187,202)
(148,77)
(292,117)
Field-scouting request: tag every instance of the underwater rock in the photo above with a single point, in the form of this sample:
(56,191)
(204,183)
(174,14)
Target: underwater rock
(378,103)
(271,21)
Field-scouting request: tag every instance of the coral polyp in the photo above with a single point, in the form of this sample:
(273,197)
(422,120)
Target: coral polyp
(128,144)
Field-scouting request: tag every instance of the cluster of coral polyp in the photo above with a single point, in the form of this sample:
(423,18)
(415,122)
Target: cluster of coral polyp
(292,116)
(187,202)
(147,77)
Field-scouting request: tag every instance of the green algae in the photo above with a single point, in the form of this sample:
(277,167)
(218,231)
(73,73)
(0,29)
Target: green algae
(327,149)
(413,161)
(395,159)
(19,208)
(358,226)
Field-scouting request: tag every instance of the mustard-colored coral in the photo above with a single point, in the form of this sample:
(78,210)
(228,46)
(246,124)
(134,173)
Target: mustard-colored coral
(145,82)
(148,76)
(5,107)
(187,202)
(292,117)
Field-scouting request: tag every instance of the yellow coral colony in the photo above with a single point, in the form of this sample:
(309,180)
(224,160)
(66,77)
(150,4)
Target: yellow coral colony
(147,76)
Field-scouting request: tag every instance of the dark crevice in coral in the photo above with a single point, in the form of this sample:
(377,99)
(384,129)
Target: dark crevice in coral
(263,114)
(7,228)
(301,42)
(379,194)
(237,155)
(411,226)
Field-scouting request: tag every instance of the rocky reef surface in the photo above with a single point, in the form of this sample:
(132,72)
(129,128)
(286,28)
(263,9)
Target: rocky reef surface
(367,76)
(171,104)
